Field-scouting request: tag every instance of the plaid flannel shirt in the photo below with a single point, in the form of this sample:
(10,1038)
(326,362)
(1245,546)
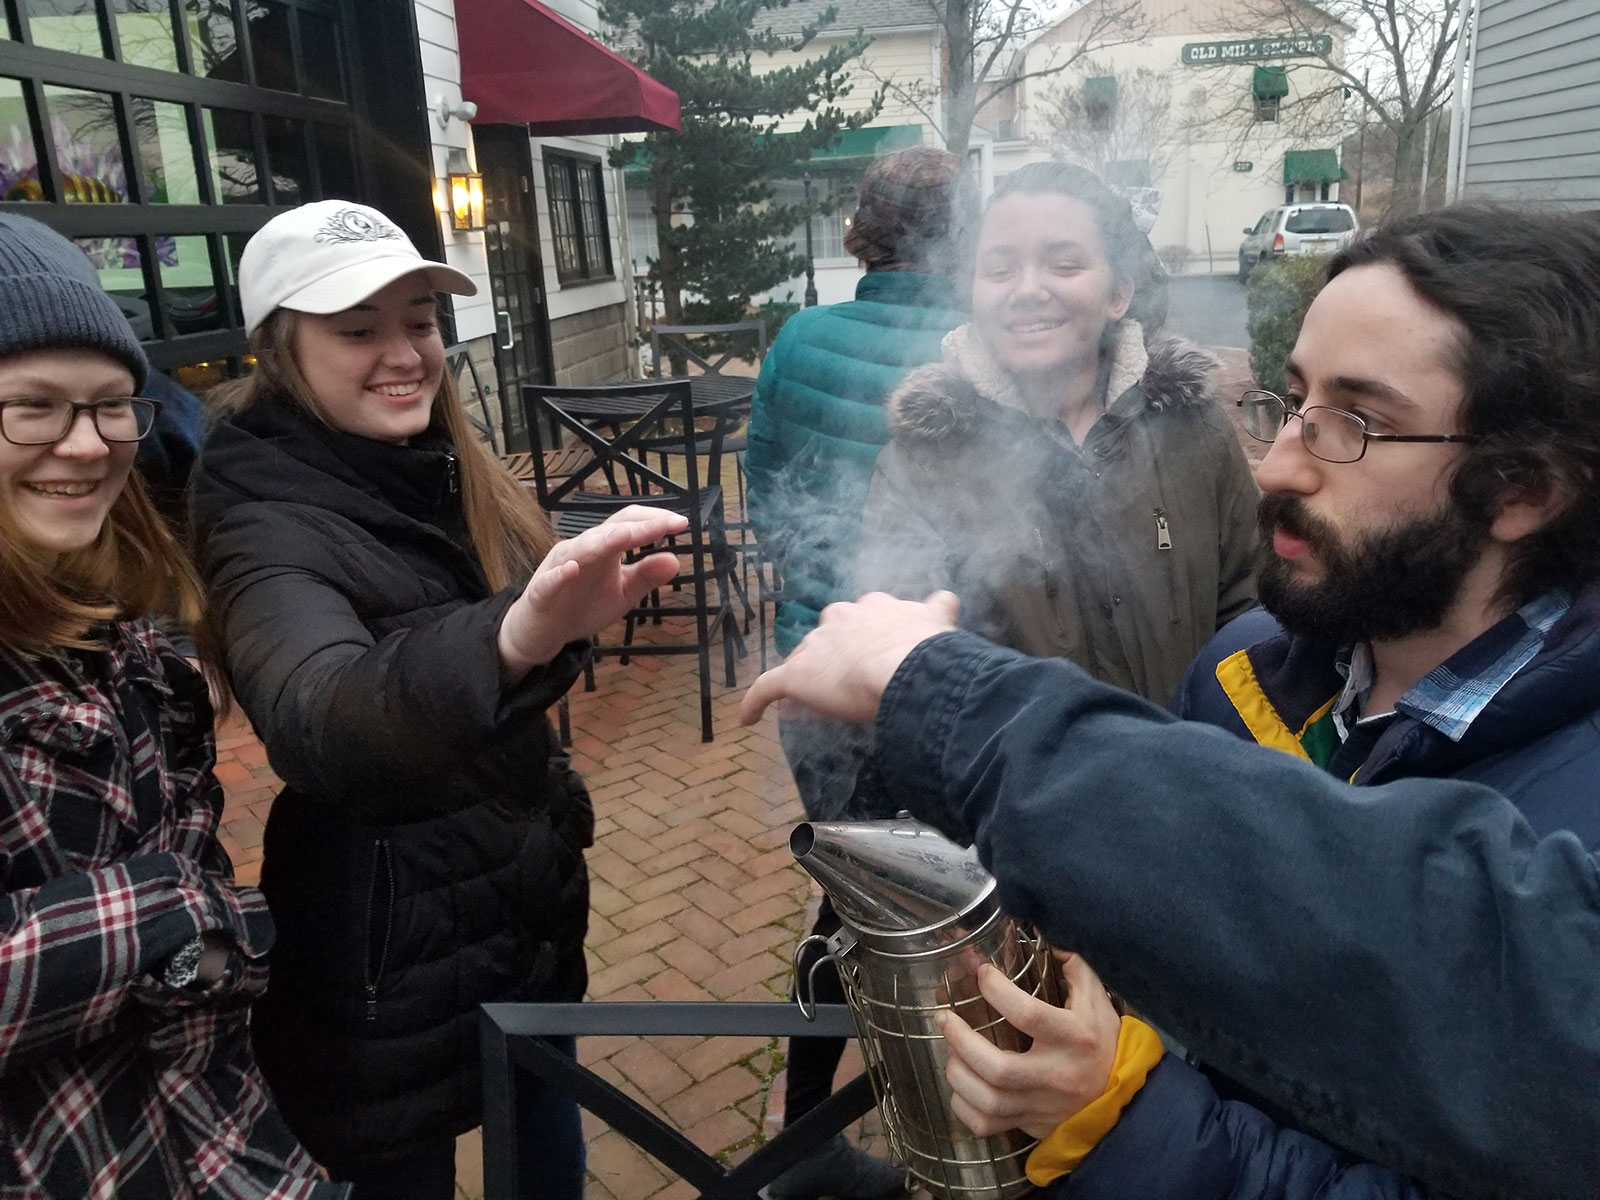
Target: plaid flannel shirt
(112,1082)
(1452,695)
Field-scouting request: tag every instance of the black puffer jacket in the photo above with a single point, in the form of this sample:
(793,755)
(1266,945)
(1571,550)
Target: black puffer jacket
(426,854)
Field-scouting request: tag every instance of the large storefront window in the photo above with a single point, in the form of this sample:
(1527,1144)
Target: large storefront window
(158,145)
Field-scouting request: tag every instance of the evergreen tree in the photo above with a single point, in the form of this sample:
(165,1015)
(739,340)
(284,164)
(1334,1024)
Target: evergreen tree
(720,167)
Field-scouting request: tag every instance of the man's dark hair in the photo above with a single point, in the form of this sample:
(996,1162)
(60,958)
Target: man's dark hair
(1525,288)
(1127,249)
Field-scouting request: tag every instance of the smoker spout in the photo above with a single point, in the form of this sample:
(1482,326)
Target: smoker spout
(891,876)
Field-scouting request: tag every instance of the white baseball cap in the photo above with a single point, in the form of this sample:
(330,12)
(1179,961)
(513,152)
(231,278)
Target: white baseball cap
(328,256)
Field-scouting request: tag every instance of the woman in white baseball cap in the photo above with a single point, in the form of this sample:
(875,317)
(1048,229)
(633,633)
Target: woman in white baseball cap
(396,617)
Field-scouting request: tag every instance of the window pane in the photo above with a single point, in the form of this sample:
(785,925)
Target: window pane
(269,45)
(319,54)
(215,40)
(336,162)
(88,150)
(231,156)
(563,217)
(188,285)
(69,25)
(19,155)
(144,28)
(166,153)
(118,261)
(592,215)
(1319,220)
(286,160)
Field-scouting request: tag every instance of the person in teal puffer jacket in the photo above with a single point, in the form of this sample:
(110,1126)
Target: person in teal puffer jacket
(816,427)
(817,422)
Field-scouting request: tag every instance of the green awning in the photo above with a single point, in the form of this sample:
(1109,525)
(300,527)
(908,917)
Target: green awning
(1311,166)
(873,141)
(1100,91)
(849,148)
(1270,83)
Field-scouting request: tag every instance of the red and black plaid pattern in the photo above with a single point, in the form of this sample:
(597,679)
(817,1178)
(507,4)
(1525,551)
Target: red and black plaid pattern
(113,1084)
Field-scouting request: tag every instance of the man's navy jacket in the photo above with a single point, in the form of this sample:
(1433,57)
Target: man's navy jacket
(1410,968)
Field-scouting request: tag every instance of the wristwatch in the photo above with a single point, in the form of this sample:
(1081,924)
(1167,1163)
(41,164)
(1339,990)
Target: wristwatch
(183,968)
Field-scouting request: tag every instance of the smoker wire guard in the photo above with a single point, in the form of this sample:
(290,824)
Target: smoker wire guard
(920,1166)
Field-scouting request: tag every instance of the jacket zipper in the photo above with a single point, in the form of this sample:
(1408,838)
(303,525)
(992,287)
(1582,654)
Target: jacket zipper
(374,971)
(1163,533)
(1051,588)
(452,473)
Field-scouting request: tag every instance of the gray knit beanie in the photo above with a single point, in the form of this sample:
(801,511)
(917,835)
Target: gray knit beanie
(51,297)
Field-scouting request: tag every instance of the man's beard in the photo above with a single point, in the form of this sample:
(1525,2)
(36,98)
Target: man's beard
(1386,584)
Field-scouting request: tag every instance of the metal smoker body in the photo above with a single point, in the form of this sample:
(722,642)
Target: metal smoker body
(919,917)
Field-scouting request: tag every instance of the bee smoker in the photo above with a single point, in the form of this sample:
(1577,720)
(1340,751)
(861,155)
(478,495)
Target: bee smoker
(919,916)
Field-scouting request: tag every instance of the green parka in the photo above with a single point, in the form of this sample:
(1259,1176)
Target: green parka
(817,425)
(1124,554)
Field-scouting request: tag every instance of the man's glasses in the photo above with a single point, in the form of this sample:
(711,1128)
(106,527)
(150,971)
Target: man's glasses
(1330,434)
(38,422)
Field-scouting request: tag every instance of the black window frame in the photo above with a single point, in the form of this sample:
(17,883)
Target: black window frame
(570,233)
(360,124)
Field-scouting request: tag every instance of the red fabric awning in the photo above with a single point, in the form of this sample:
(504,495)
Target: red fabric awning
(523,64)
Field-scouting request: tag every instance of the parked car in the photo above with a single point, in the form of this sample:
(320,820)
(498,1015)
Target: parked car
(1297,229)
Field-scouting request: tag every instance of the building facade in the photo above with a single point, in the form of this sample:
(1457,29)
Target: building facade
(1526,117)
(1222,117)
(160,134)
(905,54)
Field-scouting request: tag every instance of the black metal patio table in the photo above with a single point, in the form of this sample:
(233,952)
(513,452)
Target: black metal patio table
(515,1054)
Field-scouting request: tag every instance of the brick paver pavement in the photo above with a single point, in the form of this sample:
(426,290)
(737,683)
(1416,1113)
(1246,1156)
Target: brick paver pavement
(694,896)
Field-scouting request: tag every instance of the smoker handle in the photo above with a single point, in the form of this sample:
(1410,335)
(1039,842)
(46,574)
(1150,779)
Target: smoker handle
(803,996)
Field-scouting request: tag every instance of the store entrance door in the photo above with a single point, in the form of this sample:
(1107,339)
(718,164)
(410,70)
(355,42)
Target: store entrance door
(516,273)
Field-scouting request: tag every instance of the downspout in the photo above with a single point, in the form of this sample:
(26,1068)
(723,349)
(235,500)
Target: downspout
(1461,110)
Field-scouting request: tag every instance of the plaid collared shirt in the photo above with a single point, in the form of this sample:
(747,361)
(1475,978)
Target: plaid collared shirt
(112,1082)
(1451,696)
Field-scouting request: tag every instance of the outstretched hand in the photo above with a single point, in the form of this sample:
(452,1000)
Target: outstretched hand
(1065,1069)
(841,668)
(583,585)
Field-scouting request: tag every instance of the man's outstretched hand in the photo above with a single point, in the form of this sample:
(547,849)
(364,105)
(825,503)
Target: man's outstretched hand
(841,668)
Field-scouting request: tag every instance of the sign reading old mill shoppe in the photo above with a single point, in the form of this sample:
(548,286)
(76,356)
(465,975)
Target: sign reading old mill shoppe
(1208,54)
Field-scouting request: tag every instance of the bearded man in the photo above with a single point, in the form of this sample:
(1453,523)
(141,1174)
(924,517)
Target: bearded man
(1409,967)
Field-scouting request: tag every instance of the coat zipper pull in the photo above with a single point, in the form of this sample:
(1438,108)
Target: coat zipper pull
(1044,561)
(1163,534)
(452,473)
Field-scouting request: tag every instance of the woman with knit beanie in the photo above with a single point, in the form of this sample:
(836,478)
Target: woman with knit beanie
(128,955)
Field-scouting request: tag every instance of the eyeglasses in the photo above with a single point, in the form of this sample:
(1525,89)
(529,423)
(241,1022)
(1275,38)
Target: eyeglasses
(1330,434)
(39,422)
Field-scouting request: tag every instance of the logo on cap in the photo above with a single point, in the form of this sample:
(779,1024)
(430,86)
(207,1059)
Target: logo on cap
(353,225)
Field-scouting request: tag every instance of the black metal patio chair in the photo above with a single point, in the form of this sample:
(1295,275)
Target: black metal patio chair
(622,426)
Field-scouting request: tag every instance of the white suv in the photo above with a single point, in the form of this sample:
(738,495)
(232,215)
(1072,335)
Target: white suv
(1297,229)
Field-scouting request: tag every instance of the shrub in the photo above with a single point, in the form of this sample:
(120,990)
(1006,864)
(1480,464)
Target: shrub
(1280,291)
(1175,257)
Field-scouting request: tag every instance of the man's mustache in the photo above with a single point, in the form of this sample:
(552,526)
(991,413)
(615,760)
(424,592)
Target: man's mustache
(1277,510)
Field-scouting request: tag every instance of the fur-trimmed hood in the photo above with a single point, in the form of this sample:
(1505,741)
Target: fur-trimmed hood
(946,399)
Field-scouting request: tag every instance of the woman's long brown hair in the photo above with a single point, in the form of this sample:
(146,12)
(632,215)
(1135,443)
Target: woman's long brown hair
(508,529)
(51,602)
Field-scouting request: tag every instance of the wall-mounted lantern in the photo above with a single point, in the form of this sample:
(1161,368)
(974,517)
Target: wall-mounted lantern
(463,193)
